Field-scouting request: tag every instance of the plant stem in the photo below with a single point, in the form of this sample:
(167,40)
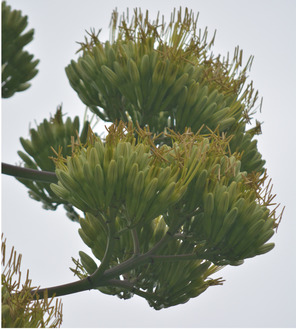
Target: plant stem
(135,242)
(175,258)
(130,287)
(108,252)
(139,260)
(69,288)
(103,277)
(27,173)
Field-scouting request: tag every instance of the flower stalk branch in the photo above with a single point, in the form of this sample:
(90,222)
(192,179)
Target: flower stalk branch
(27,173)
(100,278)
(136,242)
(108,252)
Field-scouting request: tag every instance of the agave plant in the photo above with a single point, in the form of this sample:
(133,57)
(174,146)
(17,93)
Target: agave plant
(177,189)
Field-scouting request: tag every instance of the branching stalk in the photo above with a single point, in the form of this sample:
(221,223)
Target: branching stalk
(69,288)
(130,287)
(175,258)
(141,259)
(105,277)
(27,173)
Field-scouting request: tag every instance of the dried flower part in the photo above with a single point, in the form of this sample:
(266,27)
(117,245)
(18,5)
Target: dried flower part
(46,140)
(18,66)
(20,309)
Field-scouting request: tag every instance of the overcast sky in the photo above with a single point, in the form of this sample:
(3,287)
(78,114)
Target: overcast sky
(260,293)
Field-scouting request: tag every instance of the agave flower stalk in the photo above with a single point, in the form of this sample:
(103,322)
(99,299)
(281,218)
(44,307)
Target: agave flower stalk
(177,189)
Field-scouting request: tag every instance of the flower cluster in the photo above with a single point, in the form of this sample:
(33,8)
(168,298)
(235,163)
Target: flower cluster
(20,307)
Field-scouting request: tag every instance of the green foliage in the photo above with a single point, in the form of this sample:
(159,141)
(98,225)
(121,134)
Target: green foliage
(18,66)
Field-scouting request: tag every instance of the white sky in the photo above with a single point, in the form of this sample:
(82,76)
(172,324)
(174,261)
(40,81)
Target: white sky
(260,293)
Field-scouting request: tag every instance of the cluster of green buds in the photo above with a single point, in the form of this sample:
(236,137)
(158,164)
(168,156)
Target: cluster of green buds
(135,194)
(18,66)
(163,77)
(226,219)
(124,176)
(48,139)
(242,142)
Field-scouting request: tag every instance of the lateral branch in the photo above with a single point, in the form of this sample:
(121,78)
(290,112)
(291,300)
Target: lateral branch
(27,173)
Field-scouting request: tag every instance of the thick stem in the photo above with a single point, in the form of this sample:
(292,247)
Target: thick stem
(27,173)
(93,282)
(69,288)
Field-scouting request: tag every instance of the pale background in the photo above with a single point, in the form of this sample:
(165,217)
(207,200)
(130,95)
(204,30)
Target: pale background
(260,293)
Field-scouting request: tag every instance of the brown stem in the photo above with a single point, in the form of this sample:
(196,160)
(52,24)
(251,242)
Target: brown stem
(27,173)
(68,288)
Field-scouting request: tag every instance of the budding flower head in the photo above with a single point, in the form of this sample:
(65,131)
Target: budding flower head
(46,140)
(164,75)
(128,173)
(135,190)
(161,75)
